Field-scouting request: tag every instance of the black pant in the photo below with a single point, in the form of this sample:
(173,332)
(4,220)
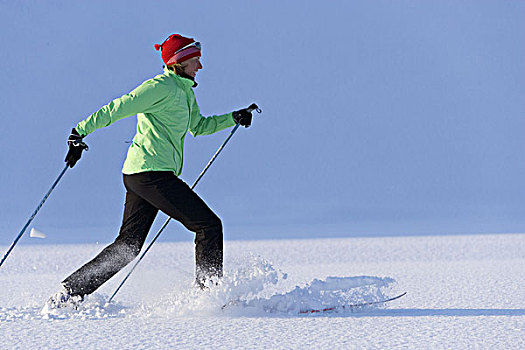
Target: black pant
(147,193)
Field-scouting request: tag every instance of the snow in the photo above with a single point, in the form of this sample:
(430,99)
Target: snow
(462,292)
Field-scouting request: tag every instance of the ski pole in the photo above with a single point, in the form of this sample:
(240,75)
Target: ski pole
(34,214)
(252,107)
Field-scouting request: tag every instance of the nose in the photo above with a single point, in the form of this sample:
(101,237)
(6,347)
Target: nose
(199,65)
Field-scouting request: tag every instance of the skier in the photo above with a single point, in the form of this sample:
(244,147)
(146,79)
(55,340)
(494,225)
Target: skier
(166,110)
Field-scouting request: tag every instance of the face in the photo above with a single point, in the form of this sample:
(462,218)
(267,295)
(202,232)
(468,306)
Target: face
(192,66)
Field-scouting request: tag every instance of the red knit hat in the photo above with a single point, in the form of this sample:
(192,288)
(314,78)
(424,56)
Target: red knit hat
(177,49)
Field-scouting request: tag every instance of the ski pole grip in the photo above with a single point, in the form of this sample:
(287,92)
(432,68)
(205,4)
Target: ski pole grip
(254,107)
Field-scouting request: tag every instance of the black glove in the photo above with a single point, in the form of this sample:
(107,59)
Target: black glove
(243,117)
(76,146)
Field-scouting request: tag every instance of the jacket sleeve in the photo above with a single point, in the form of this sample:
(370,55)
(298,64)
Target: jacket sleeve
(149,97)
(200,125)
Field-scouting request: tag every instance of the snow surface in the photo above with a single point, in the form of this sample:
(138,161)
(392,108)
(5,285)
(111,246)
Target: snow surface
(463,292)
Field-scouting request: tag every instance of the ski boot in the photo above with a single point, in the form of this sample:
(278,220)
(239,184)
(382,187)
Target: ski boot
(63,299)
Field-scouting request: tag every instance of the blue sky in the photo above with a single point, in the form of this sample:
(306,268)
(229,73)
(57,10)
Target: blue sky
(379,117)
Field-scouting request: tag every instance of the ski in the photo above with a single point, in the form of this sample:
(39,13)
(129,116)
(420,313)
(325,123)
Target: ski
(351,307)
(329,309)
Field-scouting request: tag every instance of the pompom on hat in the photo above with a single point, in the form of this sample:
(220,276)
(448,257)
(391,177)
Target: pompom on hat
(177,49)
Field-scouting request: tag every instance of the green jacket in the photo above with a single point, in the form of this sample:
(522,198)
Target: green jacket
(166,110)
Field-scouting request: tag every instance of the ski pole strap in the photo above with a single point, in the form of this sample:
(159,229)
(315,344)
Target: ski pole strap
(254,107)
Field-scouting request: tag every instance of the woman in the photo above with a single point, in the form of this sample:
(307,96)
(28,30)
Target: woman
(166,110)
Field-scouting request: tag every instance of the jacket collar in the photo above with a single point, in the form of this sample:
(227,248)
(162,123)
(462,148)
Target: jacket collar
(186,82)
